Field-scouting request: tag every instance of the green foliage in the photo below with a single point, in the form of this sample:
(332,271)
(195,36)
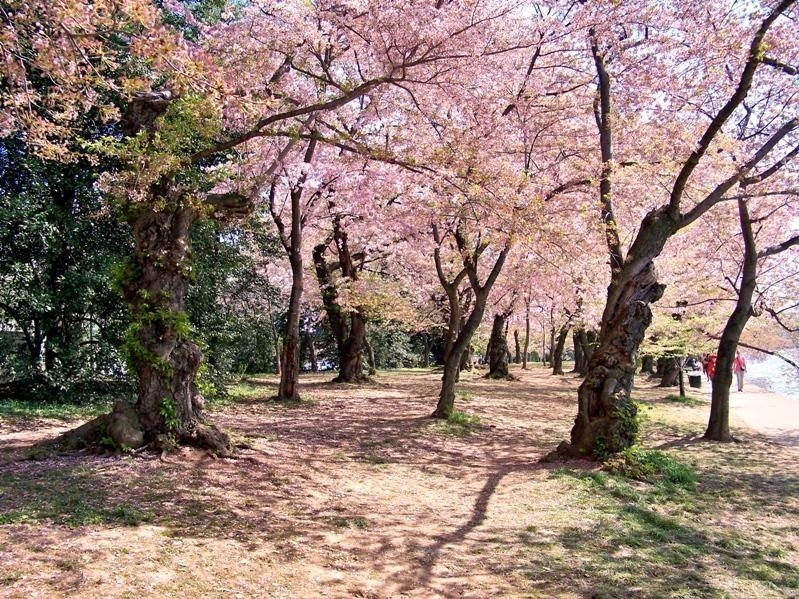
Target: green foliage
(169,414)
(61,321)
(392,345)
(225,303)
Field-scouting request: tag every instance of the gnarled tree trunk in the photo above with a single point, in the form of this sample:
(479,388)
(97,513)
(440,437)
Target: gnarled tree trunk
(498,353)
(169,405)
(606,419)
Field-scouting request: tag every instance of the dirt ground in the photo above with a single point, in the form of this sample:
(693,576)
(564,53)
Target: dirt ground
(354,492)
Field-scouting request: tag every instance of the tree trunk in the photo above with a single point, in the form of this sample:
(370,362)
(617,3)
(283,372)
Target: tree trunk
(327,288)
(446,399)
(370,352)
(526,335)
(169,405)
(498,354)
(426,350)
(588,342)
(292,243)
(288,390)
(579,357)
(453,320)
(661,365)
(517,358)
(290,373)
(310,344)
(275,335)
(557,352)
(351,358)
(606,420)
(671,373)
(647,364)
(466,358)
(718,427)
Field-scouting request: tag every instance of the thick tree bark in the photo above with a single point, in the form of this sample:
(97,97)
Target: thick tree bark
(310,349)
(169,405)
(497,357)
(426,350)
(586,340)
(288,389)
(718,427)
(579,357)
(466,358)
(275,334)
(351,358)
(517,358)
(606,418)
(671,373)
(661,365)
(557,352)
(327,288)
(648,364)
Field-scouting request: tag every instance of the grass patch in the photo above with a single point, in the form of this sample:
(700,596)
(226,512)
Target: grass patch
(463,420)
(243,391)
(354,522)
(686,400)
(652,466)
(20,409)
(73,512)
(458,424)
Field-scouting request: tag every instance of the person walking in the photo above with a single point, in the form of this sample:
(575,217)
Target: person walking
(739,367)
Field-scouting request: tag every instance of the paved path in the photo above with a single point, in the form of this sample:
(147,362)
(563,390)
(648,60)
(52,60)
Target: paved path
(772,414)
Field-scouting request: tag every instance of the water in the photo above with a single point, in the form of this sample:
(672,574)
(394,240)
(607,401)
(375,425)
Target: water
(773,374)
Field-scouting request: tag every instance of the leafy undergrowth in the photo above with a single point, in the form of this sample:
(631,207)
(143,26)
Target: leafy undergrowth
(355,491)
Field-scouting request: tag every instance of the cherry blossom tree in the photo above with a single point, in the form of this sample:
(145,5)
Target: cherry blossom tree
(737,47)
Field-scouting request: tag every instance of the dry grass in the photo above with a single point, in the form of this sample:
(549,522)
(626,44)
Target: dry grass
(356,493)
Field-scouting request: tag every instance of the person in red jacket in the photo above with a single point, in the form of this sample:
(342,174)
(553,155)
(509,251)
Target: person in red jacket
(710,367)
(739,367)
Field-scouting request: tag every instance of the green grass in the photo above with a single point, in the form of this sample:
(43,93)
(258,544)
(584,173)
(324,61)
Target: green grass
(646,534)
(354,522)
(458,424)
(652,466)
(19,409)
(685,400)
